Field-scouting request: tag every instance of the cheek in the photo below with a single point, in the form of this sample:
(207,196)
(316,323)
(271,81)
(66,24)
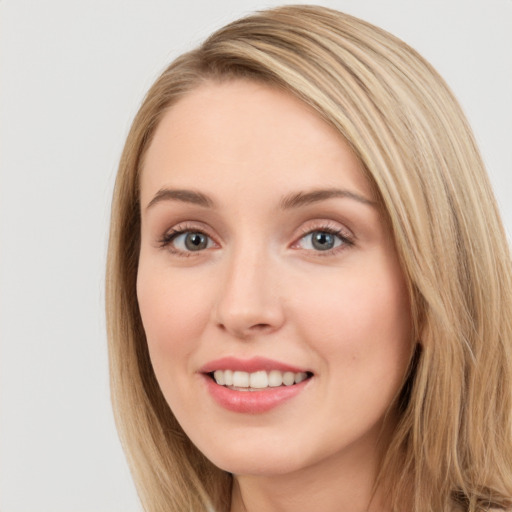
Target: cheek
(174,310)
(363,337)
(360,324)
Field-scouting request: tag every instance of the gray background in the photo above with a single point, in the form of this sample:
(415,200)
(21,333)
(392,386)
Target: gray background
(72,76)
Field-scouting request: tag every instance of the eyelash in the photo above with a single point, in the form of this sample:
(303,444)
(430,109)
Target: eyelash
(346,240)
(169,236)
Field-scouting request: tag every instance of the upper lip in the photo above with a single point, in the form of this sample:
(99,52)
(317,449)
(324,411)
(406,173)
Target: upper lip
(251,365)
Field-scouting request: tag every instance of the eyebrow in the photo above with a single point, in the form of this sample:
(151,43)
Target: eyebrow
(182,195)
(298,199)
(290,201)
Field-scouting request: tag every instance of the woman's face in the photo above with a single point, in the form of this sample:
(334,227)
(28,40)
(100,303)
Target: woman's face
(275,309)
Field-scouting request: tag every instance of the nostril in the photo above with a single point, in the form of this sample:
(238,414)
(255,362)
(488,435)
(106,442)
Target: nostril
(246,332)
(260,327)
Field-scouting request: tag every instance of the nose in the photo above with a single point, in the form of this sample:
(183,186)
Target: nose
(249,303)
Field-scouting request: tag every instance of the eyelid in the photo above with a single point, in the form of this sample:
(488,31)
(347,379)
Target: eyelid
(328,226)
(335,228)
(165,241)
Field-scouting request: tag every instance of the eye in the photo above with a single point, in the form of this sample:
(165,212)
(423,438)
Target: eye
(323,240)
(186,241)
(192,241)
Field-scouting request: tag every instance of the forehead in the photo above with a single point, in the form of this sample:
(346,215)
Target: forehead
(247,133)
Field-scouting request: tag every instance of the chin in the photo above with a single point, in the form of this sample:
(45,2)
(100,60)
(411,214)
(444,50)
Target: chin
(256,466)
(258,458)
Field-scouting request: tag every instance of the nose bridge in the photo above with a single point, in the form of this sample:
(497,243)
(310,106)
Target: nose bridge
(248,301)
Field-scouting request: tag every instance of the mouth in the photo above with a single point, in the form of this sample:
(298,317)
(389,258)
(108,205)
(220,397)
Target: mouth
(257,381)
(254,386)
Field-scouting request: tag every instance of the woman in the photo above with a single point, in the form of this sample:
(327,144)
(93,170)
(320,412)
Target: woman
(309,287)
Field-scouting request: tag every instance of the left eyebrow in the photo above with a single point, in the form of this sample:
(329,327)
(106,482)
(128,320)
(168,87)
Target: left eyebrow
(181,195)
(298,199)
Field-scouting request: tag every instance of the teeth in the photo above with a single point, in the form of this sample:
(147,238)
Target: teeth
(228,377)
(241,379)
(275,378)
(288,378)
(257,380)
(218,375)
(299,377)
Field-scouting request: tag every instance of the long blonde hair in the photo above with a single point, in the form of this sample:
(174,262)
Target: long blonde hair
(453,444)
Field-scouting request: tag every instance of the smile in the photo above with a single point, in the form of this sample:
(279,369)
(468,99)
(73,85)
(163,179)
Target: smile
(253,386)
(245,381)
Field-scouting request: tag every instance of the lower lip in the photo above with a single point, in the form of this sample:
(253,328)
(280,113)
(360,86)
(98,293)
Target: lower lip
(253,402)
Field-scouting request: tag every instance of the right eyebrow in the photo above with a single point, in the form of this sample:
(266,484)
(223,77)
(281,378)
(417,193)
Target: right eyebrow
(182,195)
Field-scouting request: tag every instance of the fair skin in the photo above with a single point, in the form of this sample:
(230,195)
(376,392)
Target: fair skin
(261,239)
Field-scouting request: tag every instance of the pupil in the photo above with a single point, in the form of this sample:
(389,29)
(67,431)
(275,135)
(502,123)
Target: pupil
(323,241)
(195,241)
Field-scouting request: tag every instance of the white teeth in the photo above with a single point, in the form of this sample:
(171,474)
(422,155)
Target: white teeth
(218,375)
(299,377)
(257,380)
(275,378)
(288,378)
(241,379)
(228,377)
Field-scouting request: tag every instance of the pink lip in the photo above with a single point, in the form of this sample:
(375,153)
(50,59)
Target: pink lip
(254,364)
(252,402)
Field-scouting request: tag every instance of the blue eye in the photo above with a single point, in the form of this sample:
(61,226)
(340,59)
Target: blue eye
(322,240)
(188,241)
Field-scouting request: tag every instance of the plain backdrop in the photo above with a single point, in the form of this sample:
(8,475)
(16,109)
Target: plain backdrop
(72,76)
